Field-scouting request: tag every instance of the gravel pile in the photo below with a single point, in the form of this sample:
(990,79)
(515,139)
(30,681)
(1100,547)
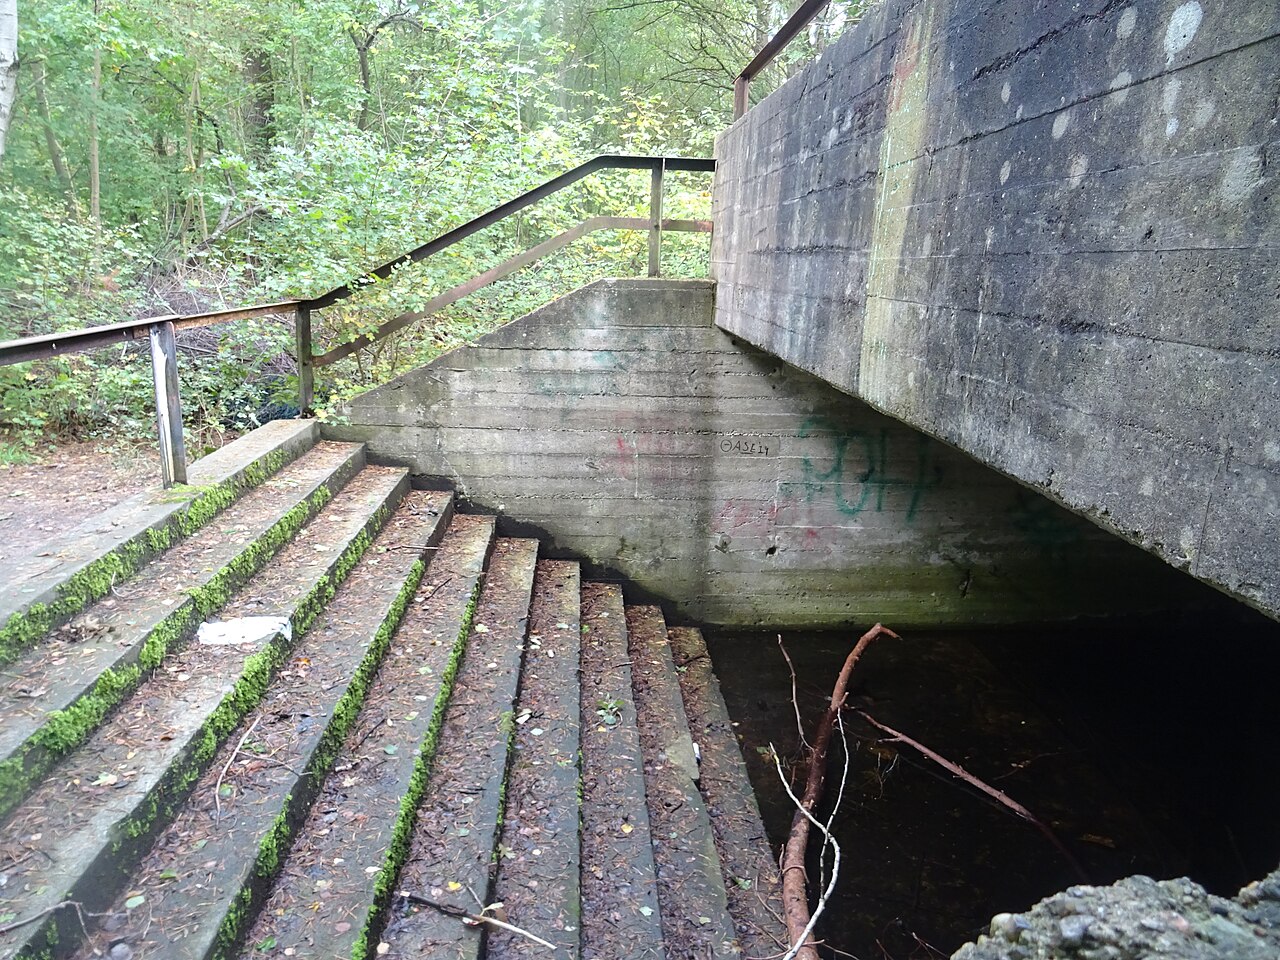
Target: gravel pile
(1139,918)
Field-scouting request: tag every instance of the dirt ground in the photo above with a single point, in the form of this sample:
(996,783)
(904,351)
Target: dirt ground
(69,484)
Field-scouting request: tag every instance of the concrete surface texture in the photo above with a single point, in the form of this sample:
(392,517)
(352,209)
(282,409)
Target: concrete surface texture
(1047,234)
(623,425)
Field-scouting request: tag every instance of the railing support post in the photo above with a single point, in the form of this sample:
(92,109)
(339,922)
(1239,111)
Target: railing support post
(741,95)
(655,219)
(164,367)
(306,362)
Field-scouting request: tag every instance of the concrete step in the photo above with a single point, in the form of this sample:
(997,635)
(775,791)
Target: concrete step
(210,869)
(540,852)
(331,892)
(691,892)
(620,917)
(80,833)
(746,858)
(42,590)
(57,693)
(451,853)
(208,872)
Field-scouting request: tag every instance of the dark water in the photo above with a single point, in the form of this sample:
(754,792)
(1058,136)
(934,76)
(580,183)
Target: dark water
(1149,746)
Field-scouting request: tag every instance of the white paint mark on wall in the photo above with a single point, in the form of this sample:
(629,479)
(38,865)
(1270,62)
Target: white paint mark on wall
(1271,451)
(1169,103)
(1079,167)
(1243,175)
(1018,115)
(1004,92)
(1148,486)
(1205,109)
(1060,124)
(1128,20)
(1120,85)
(1182,28)
(1005,169)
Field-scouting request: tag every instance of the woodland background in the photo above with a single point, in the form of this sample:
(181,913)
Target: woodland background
(173,156)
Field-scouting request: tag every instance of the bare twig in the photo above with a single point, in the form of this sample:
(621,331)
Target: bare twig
(217,787)
(795,703)
(795,897)
(986,788)
(79,908)
(475,917)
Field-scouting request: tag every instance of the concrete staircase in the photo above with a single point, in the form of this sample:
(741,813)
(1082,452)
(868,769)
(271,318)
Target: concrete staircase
(301,709)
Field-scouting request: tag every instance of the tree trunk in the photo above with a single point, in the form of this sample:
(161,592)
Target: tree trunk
(95,169)
(259,131)
(8,65)
(366,85)
(56,156)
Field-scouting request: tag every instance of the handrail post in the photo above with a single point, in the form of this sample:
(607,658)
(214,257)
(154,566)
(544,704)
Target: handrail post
(655,218)
(306,360)
(164,367)
(741,95)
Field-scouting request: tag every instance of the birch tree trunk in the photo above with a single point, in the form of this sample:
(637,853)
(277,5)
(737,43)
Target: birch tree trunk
(8,64)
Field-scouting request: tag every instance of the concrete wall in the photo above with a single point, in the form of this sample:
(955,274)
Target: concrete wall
(1046,233)
(622,423)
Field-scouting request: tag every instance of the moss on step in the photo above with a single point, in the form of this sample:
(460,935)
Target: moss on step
(66,729)
(398,848)
(25,627)
(275,844)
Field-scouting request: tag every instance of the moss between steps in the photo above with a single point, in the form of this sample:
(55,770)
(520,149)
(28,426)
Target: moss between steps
(64,730)
(275,845)
(24,628)
(136,831)
(398,848)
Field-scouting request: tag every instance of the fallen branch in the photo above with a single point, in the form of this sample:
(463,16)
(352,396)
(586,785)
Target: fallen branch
(986,788)
(217,787)
(795,896)
(474,917)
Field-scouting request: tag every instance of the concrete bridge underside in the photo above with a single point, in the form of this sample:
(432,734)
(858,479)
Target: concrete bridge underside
(1047,235)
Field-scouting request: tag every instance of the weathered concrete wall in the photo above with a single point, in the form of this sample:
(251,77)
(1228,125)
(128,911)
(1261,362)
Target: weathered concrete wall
(1046,233)
(622,423)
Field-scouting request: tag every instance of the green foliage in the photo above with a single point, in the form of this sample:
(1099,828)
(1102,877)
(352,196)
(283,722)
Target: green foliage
(254,150)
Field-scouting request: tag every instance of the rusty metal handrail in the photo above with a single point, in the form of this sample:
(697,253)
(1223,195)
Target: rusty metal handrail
(160,331)
(798,20)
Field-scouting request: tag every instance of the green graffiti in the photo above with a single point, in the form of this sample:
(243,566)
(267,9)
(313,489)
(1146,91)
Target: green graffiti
(856,476)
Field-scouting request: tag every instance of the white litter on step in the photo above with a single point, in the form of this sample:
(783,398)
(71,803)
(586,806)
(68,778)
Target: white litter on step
(219,633)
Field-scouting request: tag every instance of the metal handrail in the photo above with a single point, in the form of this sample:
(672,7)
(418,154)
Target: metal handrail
(161,330)
(777,43)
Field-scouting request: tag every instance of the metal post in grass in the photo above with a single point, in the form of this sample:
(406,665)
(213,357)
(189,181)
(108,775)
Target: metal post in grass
(306,362)
(164,367)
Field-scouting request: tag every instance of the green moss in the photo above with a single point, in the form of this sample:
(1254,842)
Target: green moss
(279,838)
(64,730)
(398,848)
(25,627)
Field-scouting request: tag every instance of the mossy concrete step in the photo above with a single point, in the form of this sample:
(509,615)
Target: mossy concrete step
(331,893)
(42,590)
(746,858)
(59,691)
(691,893)
(81,832)
(620,916)
(451,851)
(540,853)
(242,815)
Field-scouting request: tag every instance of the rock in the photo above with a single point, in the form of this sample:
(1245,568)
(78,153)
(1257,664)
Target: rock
(120,951)
(1139,919)
(1072,930)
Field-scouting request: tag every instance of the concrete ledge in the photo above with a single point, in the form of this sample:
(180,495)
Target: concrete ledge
(44,589)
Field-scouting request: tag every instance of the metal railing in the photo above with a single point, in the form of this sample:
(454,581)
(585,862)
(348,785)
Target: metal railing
(777,43)
(161,331)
